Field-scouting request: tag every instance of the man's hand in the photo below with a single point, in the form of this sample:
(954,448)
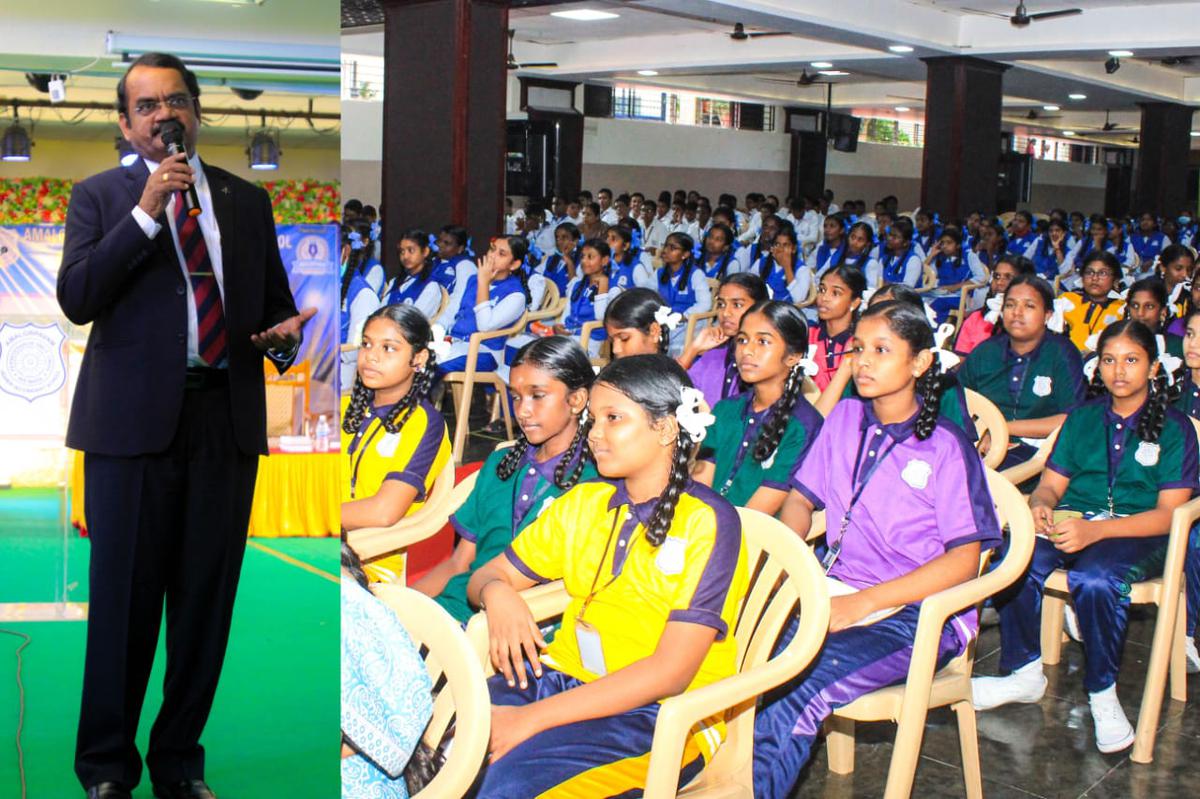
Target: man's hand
(172,175)
(284,335)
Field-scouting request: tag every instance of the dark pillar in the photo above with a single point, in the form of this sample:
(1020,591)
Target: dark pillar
(443,117)
(962,135)
(1161,183)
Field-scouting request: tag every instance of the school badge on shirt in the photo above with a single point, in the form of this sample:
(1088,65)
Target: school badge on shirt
(669,559)
(1147,454)
(916,473)
(1042,386)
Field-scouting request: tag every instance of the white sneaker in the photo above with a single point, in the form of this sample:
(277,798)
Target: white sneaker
(1113,732)
(1193,657)
(1026,684)
(1071,624)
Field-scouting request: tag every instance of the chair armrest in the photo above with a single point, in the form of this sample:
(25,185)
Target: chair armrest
(552,312)
(585,332)
(545,601)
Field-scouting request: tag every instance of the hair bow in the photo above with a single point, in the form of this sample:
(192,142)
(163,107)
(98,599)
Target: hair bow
(1057,321)
(666,317)
(947,358)
(1169,362)
(1113,294)
(356,242)
(1092,342)
(867,295)
(692,419)
(994,306)
(438,344)
(808,364)
(375,229)
(1089,367)
(931,315)
(1185,285)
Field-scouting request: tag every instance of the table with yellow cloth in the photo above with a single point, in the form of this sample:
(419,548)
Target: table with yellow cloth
(296,495)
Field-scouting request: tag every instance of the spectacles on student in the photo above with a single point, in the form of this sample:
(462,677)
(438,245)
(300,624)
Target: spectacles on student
(672,246)
(1098,273)
(176,102)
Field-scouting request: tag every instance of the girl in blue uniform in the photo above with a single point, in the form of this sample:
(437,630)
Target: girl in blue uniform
(415,285)
(655,568)
(954,269)
(760,437)
(549,382)
(493,298)
(1101,513)
(786,275)
(1050,256)
(358,300)
(1148,242)
(588,293)
(898,262)
(720,255)
(1024,236)
(927,231)
(830,251)
(559,266)
(682,283)
(630,265)
(909,514)
(453,268)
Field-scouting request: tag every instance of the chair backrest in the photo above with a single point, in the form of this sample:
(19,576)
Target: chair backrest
(460,688)
(929,277)
(443,304)
(988,419)
(372,543)
(550,298)
(693,322)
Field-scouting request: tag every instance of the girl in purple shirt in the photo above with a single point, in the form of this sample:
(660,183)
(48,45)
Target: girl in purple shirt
(909,514)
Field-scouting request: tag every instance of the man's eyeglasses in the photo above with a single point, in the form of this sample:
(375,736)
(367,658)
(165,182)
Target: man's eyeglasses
(176,102)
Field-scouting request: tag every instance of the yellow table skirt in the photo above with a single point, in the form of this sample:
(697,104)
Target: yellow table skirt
(296,495)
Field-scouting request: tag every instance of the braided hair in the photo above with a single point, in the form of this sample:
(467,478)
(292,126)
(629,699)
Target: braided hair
(726,256)
(688,245)
(1150,422)
(358,259)
(792,327)
(564,360)
(519,247)
(601,248)
(654,383)
(635,308)
(416,331)
(421,239)
(911,324)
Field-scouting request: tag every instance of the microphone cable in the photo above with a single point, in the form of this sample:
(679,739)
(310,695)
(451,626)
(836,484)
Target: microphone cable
(21,706)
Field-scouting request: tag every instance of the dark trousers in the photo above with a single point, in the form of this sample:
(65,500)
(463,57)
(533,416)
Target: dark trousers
(170,527)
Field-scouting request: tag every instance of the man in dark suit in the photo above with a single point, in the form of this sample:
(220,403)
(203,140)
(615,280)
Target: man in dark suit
(169,410)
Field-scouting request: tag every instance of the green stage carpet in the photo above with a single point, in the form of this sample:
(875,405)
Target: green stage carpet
(274,728)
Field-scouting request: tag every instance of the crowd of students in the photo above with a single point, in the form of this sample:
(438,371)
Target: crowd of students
(830,378)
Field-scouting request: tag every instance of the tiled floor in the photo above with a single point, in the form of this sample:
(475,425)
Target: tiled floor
(1042,750)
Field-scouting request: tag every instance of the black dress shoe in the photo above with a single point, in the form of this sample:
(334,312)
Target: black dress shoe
(108,790)
(184,789)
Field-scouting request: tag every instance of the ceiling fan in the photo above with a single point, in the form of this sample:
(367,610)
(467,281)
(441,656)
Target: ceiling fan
(1110,127)
(805,79)
(1033,114)
(513,64)
(740,34)
(1021,17)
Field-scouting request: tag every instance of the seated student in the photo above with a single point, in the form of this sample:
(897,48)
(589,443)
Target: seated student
(954,269)
(559,266)
(415,286)
(453,268)
(926,232)
(386,696)
(1186,389)
(977,326)
(1023,237)
(898,262)
(1186,228)
(1148,241)
(832,249)
(549,381)
(359,300)
(783,270)
(588,294)
(1097,305)
(666,600)
(839,297)
(719,255)
(1095,239)
(590,226)
(493,298)
(536,284)
(1147,303)
(760,437)
(709,357)
(992,244)
(395,441)
(1102,509)
(753,253)
(637,323)
(909,514)
(1050,255)
(631,266)
(860,241)
(1031,373)
(1175,266)
(1120,246)
(682,284)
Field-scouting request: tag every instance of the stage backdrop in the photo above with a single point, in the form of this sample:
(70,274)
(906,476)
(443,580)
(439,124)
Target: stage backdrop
(40,349)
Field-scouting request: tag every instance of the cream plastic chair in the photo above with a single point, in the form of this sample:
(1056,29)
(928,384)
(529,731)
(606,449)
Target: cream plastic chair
(551,308)
(811,297)
(988,419)
(585,335)
(908,704)
(1033,467)
(785,572)
(929,279)
(960,313)
(373,543)
(693,322)
(461,693)
(462,385)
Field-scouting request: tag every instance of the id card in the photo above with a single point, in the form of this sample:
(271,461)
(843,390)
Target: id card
(591,653)
(831,556)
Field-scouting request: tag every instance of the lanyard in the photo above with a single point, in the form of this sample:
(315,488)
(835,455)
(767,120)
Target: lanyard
(354,464)
(741,453)
(1108,465)
(593,591)
(860,483)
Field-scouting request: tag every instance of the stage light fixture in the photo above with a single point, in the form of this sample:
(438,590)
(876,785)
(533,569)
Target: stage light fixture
(16,144)
(1112,64)
(264,148)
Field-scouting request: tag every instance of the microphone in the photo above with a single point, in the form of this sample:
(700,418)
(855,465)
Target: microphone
(172,137)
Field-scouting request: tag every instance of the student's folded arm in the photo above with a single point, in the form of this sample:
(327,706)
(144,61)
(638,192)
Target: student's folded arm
(386,507)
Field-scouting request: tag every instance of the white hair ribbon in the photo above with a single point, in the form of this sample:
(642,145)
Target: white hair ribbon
(1169,362)
(1185,285)
(438,344)
(947,358)
(808,364)
(666,317)
(931,315)
(1089,367)
(1092,342)
(994,306)
(692,419)
(1061,306)
(867,295)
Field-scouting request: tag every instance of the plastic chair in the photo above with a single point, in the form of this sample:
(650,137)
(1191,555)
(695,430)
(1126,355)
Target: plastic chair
(929,279)
(908,704)
(461,693)
(1167,652)
(1033,467)
(443,304)
(811,297)
(988,419)
(960,313)
(784,573)
(693,322)
(462,385)
(372,543)
(585,336)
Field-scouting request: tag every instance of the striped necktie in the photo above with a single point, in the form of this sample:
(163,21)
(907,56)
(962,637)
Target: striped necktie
(210,315)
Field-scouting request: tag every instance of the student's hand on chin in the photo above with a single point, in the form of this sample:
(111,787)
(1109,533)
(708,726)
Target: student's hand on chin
(844,611)
(512,725)
(1072,535)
